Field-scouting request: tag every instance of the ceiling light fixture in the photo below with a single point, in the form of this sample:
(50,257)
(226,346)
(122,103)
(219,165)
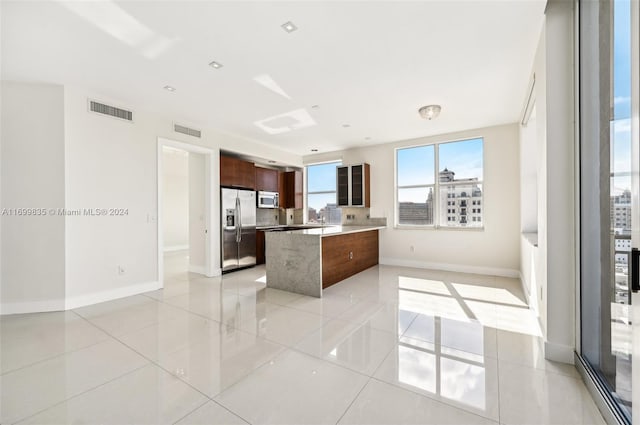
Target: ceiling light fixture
(216,65)
(314,150)
(169,88)
(430,112)
(271,161)
(315,106)
(289,26)
(346,125)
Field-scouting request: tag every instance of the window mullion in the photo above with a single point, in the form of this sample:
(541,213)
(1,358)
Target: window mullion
(436,195)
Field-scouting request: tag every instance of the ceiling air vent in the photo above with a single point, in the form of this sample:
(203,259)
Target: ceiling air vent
(112,111)
(186,130)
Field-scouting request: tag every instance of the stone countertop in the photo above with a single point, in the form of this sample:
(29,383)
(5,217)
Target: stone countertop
(333,230)
(280,226)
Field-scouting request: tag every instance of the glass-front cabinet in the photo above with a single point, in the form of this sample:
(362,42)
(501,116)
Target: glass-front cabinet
(353,185)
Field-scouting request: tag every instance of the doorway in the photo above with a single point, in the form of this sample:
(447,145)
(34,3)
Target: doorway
(184,211)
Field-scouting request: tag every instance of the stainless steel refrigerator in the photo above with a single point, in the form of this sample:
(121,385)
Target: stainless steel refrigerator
(238,228)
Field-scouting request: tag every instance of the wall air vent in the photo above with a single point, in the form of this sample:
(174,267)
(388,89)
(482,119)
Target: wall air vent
(186,130)
(112,111)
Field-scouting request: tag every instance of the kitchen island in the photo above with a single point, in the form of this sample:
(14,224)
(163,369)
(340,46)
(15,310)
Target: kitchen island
(308,260)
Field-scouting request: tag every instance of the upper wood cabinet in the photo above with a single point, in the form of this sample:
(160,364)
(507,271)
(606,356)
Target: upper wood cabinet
(235,172)
(291,191)
(353,186)
(267,179)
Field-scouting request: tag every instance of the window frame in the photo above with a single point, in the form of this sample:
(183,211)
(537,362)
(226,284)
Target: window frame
(338,163)
(438,221)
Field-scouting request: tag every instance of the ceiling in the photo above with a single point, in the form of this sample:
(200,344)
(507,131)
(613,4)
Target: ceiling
(369,65)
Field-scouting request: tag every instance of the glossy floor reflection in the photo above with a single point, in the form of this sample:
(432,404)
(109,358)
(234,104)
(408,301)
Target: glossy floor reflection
(389,345)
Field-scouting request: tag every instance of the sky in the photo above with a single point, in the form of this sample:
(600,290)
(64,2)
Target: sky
(321,177)
(416,165)
(621,126)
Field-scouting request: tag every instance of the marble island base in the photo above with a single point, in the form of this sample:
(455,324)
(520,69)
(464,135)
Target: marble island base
(306,262)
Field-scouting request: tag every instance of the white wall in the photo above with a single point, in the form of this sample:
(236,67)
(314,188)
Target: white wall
(197,223)
(175,199)
(33,176)
(494,250)
(549,269)
(560,171)
(122,157)
(533,176)
(87,160)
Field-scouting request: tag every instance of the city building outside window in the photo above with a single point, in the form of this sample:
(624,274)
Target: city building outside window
(424,200)
(321,194)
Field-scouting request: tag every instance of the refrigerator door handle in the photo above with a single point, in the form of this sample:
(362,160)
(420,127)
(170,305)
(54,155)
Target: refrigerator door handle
(238,221)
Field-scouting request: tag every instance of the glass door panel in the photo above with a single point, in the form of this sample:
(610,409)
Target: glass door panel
(607,212)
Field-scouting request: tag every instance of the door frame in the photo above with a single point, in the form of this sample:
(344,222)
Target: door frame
(211,157)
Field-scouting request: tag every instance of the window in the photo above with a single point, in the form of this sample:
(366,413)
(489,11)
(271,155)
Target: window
(321,194)
(426,200)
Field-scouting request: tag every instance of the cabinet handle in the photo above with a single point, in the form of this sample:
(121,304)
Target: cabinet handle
(350,255)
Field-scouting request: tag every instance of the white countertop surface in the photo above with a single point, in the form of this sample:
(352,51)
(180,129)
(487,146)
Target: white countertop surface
(333,230)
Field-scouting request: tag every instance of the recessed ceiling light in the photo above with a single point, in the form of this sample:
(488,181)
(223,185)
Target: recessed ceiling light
(315,106)
(216,65)
(314,150)
(169,88)
(346,125)
(289,26)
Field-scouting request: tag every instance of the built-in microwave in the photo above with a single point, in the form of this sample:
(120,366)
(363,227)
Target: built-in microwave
(268,199)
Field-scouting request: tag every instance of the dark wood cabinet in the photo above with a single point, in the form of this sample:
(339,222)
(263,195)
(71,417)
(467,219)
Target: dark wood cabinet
(260,247)
(235,172)
(267,179)
(353,185)
(291,191)
(346,255)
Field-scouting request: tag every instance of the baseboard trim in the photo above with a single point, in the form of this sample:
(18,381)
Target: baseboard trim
(559,352)
(174,248)
(215,273)
(31,307)
(491,271)
(197,269)
(525,291)
(112,294)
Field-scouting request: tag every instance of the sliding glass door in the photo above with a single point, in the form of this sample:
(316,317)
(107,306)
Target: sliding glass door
(608,195)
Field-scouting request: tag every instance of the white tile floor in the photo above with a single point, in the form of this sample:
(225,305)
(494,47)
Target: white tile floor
(390,345)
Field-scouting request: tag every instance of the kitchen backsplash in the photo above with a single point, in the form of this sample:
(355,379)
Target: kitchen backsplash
(290,216)
(267,217)
(360,217)
(274,217)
